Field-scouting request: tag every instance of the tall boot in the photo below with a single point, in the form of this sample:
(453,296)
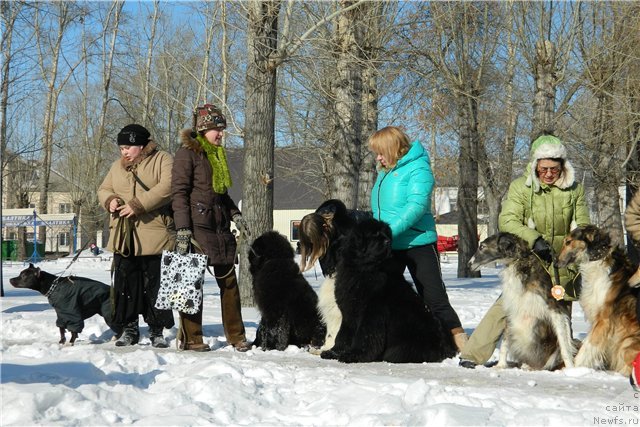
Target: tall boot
(130,335)
(232,312)
(190,332)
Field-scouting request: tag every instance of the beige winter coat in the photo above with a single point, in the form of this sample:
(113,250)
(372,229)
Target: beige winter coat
(152,226)
(632,218)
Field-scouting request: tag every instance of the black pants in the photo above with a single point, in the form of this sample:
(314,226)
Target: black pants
(423,263)
(136,282)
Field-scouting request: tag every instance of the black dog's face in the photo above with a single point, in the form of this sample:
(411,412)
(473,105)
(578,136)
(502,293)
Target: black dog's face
(270,245)
(369,242)
(501,247)
(28,278)
(587,243)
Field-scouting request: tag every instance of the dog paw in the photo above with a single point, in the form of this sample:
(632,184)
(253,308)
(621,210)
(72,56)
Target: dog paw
(329,354)
(315,351)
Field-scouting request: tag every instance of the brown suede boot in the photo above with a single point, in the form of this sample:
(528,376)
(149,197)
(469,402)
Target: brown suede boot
(232,312)
(190,332)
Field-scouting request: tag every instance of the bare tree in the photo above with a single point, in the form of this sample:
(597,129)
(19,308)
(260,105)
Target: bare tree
(460,47)
(50,53)
(257,203)
(607,54)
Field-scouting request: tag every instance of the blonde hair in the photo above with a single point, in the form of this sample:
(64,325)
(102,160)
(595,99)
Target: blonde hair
(390,142)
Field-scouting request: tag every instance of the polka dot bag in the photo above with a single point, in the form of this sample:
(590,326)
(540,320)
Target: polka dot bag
(181,280)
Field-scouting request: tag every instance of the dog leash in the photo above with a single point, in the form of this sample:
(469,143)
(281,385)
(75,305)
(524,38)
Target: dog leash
(55,283)
(233,267)
(557,291)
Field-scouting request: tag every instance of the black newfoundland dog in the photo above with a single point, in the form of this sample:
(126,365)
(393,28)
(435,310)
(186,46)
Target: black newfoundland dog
(383,318)
(286,301)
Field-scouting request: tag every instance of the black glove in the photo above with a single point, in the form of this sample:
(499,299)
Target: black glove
(542,248)
(241,225)
(183,241)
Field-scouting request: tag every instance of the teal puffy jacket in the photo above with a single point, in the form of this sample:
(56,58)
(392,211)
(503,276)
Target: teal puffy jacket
(401,197)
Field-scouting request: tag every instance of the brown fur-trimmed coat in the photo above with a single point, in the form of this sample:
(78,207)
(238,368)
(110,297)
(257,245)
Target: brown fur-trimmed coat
(197,207)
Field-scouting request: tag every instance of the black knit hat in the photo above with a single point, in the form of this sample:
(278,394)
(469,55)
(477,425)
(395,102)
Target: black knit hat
(208,117)
(133,134)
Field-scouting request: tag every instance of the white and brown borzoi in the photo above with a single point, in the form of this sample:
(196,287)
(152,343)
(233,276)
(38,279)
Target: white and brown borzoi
(538,332)
(608,302)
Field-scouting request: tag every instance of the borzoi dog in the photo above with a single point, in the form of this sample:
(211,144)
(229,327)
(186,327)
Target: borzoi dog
(538,331)
(609,303)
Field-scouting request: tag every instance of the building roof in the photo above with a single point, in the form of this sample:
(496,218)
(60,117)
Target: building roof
(296,182)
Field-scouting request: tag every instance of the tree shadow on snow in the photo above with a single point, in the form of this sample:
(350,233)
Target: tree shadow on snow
(71,374)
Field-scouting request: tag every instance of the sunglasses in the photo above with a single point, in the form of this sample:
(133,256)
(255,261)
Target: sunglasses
(554,170)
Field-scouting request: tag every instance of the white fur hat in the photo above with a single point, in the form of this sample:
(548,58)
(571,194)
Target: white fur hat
(549,147)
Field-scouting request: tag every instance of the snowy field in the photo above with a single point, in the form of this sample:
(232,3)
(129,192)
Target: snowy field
(96,384)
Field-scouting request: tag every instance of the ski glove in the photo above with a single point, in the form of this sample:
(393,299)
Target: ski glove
(542,248)
(241,225)
(183,241)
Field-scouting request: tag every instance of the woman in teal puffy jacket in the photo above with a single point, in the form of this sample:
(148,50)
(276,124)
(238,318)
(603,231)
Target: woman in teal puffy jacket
(401,197)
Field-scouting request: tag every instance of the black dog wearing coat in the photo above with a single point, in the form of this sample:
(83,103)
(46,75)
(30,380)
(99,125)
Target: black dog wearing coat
(74,298)
(286,301)
(383,318)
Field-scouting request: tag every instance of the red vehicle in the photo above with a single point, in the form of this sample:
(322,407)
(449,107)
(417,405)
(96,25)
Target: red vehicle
(448,244)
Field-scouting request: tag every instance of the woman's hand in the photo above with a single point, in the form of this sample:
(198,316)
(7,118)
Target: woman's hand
(126,211)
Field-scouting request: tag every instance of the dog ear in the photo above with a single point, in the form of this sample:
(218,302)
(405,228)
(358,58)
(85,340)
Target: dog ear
(599,242)
(506,243)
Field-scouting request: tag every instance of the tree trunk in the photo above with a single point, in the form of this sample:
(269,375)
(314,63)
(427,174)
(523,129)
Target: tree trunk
(371,51)
(146,101)
(545,92)
(606,174)
(257,205)
(468,181)
(346,88)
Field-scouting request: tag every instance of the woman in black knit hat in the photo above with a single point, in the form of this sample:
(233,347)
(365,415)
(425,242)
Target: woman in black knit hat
(137,194)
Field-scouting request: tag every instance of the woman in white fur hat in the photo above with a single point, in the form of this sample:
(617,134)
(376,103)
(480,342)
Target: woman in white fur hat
(541,207)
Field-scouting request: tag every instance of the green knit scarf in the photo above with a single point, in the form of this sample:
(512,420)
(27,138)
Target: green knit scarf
(220,176)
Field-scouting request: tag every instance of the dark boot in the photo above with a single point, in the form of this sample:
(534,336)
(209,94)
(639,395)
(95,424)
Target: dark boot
(156,337)
(190,332)
(130,335)
(232,312)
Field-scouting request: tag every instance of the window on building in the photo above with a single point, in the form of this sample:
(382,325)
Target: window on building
(64,208)
(64,239)
(295,231)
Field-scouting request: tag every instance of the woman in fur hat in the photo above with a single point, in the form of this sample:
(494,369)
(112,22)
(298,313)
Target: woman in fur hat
(541,207)
(137,193)
(203,211)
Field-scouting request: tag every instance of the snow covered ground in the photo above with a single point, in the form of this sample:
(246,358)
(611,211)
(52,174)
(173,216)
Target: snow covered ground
(96,384)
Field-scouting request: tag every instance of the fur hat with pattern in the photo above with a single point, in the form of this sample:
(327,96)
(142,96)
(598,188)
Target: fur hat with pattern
(208,117)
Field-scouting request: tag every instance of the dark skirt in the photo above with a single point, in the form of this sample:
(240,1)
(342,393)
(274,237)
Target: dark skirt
(136,281)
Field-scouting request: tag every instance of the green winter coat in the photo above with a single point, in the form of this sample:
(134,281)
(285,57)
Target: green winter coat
(551,212)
